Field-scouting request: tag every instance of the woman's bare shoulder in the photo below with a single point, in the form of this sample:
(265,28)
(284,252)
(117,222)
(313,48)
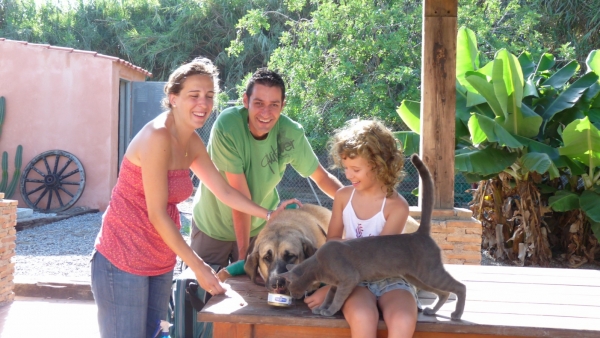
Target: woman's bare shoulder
(154,135)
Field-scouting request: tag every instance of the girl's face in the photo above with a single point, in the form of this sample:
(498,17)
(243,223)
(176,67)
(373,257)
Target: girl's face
(359,172)
(195,100)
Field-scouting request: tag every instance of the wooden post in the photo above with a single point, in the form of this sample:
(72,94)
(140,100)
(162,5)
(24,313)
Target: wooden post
(438,96)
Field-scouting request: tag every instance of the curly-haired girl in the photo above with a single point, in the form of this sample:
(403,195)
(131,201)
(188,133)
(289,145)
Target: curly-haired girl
(372,161)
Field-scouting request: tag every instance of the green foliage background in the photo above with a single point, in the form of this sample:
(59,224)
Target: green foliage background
(342,59)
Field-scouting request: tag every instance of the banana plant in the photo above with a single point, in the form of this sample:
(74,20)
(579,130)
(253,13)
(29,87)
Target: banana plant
(510,120)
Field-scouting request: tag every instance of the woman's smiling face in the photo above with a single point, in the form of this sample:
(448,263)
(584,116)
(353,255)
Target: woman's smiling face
(195,100)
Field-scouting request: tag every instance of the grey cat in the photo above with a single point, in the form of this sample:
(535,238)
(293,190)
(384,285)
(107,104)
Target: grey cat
(415,256)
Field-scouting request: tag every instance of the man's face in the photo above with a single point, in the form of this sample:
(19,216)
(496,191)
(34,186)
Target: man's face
(264,108)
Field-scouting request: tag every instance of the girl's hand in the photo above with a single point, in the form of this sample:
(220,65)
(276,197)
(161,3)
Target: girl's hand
(208,280)
(284,204)
(317,298)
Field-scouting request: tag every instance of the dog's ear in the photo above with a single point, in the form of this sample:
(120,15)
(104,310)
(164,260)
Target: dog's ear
(308,249)
(251,266)
(250,247)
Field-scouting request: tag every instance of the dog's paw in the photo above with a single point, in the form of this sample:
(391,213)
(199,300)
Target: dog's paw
(316,311)
(429,312)
(456,315)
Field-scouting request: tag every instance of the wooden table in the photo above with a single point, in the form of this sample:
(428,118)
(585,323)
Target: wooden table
(501,301)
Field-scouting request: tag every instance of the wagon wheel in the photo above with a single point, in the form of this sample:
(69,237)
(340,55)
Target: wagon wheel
(44,188)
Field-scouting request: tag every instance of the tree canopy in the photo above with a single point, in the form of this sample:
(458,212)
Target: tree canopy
(341,59)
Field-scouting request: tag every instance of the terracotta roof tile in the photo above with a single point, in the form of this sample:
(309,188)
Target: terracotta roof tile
(92,53)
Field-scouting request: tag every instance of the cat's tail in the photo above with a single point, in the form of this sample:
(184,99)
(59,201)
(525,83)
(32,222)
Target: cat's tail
(427,193)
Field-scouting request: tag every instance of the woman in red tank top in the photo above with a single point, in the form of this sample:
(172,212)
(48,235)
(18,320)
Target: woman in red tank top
(136,248)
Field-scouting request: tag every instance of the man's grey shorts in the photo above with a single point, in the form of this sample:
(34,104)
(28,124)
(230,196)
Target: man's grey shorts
(213,251)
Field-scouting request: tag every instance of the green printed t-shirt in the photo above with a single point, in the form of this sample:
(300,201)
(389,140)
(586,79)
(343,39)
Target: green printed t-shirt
(233,149)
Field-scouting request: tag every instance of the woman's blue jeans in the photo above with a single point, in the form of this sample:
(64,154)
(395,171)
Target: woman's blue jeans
(128,305)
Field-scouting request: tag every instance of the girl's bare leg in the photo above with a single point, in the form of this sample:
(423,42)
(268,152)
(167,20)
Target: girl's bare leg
(399,310)
(361,312)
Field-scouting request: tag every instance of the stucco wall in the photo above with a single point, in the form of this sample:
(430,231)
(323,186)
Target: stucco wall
(66,100)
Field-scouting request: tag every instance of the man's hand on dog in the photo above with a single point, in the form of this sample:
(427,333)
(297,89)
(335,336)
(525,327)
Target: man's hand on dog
(284,204)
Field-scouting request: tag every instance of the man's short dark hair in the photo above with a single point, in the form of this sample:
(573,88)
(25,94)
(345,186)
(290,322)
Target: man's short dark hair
(265,77)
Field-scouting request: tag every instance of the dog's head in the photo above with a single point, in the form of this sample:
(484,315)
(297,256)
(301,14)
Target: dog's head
(270,254)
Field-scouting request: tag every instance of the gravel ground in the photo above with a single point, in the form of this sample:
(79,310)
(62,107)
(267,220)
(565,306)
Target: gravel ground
(64,248)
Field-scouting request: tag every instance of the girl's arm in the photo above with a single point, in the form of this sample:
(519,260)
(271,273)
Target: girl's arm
(396,214)
(336,224)
(155,157)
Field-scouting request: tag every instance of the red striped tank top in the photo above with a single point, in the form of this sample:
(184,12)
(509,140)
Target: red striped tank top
(127,238)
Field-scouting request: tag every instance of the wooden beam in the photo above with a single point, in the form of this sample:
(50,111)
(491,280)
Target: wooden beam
(438,96)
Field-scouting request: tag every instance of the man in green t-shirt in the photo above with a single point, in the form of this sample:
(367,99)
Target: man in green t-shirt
(251,146)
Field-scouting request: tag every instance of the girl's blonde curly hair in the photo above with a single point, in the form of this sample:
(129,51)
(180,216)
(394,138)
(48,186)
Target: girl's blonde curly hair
(371,140)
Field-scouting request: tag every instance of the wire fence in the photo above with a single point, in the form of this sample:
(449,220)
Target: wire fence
(295,186)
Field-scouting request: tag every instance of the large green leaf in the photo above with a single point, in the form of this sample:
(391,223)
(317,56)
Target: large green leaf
(569,97)
(410,113)
(488,161)
(487,70)
(530,89)
(591,94)
(474,99)
(538,147)
(527,64)
(507,79)
(461,131)
(524,122)
(467,55)
(590,205)
(564,201)
(546,62)
(582,142)
(594,115)
(576,167)
(483,128)
(593,61)
(410,141)
(486,89)
(462,110)
(560,78)
(540,163)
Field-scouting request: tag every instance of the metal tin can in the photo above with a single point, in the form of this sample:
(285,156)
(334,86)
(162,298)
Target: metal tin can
(277,299)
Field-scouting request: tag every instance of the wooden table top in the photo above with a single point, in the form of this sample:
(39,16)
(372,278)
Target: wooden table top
(518,301)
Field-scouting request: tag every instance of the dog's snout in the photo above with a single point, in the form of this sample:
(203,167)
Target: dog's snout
(277,284)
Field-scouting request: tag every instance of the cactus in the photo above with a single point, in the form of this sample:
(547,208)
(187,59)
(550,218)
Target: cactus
(1,113)
(10,190)
(15,180)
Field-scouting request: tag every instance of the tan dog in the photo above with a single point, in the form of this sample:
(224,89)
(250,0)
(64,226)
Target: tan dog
(289,238)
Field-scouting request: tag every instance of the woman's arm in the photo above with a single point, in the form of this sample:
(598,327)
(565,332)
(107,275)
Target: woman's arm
(154,158)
